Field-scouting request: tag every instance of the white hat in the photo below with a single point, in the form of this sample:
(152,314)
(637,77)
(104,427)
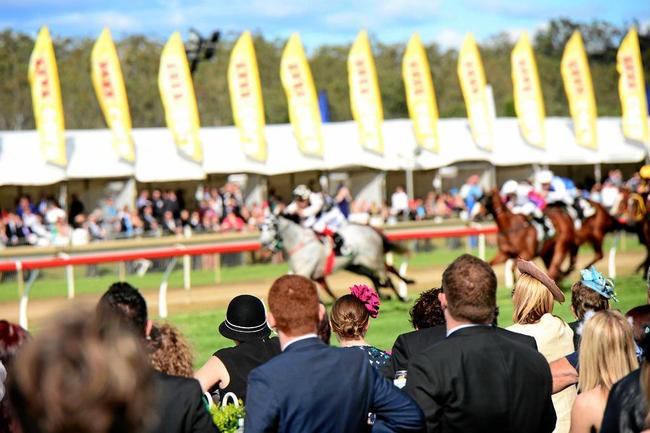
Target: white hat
(544,176)
(302,192)
(509,187)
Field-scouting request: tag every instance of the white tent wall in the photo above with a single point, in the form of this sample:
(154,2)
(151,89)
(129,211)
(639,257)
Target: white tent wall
(91,154)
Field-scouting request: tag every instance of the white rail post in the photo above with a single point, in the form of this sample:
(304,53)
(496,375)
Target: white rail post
(162,293)
(402,287)
(69,273)
(121,271)
(187,268)
(611,262)
(508,275)
(217,268)
(24,298)
(481,246)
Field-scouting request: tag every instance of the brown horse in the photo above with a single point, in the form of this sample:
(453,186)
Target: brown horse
(635,211)
(595,228)
(518,237)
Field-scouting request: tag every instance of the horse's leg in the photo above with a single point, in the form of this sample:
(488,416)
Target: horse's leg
(392,270)
(597,243)
(368,273)
(390,285)
(326,287)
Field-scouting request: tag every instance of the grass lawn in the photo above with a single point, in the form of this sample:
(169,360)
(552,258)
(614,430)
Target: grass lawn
(201,328)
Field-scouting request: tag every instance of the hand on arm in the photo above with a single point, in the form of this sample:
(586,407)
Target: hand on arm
(564,375)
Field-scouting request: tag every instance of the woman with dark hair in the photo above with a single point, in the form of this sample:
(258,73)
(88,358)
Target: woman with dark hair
(588,296)
(427,311)
(12,337)
(227,369)
(350,320)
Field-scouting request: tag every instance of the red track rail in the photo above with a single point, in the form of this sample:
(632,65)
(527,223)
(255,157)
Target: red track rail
(231,247)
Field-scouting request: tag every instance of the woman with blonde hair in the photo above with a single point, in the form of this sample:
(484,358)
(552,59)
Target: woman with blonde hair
(607,354)
(533,298)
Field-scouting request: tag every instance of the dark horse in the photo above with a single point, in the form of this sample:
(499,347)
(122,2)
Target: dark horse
(634,209)
(518,237)
(595,228)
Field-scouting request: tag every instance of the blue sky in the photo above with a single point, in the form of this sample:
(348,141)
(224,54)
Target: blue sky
(319,22)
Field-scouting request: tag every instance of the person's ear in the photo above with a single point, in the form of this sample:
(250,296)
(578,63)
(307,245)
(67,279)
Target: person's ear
(147,328)
(321,312)
(443,300)
(271,320)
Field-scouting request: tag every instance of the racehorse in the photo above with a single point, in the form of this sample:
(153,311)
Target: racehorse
(595,228)
(517,237)
(308,255)
(635,211)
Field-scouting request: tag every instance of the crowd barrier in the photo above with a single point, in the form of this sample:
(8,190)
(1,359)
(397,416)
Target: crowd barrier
(216,249)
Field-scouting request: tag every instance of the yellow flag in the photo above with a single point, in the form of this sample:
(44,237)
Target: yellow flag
(420,95)
(580,91)
(365,98)
(111,93)
(298,84)
(529,102)
(472,82)
(46,98)
(179,101)
(246,97)
(631,88)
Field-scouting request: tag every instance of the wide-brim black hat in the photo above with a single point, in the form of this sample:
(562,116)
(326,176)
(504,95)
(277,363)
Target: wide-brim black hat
(245,319)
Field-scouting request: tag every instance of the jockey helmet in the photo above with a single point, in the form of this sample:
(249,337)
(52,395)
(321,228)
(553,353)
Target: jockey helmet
(544,176)
(509,187)
(302,192)
(645,172)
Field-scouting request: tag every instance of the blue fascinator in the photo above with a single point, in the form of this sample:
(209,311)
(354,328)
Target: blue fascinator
(599,284)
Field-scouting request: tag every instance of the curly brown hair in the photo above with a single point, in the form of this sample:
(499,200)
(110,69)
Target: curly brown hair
(584,298)
(171,353)
(427,311)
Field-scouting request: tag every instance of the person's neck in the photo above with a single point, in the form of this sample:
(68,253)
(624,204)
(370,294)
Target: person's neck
(286,338)
(353,342)
(452,322)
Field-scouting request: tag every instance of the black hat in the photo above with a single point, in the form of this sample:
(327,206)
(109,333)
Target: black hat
(245,319)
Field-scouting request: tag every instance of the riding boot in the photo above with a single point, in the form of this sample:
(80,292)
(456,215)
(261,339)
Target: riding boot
(339,244)
(542,222)
(579,210)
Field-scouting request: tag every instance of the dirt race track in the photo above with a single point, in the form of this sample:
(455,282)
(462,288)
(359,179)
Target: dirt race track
(217,296)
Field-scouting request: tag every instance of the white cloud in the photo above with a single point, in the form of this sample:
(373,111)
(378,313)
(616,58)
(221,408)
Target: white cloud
(94,20)
(449,38)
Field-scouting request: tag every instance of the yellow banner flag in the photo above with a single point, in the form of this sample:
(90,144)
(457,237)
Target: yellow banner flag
(46,98)
(111,93)
(472,82)
(298,84)
(631,88)
(365,98)
(246,97)
(580,91)
(529,102)
(179,101)
(420,94)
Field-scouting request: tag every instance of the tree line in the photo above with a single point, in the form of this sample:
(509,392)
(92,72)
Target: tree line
(140,56)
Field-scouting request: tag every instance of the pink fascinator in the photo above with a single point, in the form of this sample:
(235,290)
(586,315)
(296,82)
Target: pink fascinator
(369,298)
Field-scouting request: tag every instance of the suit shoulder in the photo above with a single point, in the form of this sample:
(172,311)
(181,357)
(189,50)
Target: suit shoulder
(178,382)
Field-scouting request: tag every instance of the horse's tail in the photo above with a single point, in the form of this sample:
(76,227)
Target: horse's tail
(390,246)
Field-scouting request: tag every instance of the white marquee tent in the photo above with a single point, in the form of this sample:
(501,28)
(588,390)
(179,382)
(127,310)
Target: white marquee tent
(91,155)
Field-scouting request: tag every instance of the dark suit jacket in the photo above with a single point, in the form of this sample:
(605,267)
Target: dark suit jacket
(480,380)
(314,388)
(626,406)
(411,343)
(180,407)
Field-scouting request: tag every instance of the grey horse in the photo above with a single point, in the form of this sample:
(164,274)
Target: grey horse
(308,255)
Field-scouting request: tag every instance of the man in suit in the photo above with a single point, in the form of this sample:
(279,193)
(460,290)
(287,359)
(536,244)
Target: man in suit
(179,405)
(477,378)
(312,387)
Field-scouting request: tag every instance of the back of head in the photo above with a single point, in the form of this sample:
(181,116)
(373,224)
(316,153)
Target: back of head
(293,301)
(584,298)
(641,326)
(349,318)
(531,300)
(80,376)
(171,353)
(607,351)
(12,337)
(470,287)
(124,302)
(427,311)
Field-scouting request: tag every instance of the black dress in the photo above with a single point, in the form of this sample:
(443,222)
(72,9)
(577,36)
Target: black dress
(626,406)
(241,359)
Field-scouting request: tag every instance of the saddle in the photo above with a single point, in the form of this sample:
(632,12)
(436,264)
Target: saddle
(544,228)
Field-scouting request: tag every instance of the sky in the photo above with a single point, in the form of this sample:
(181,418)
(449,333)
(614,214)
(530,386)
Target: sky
(318,22)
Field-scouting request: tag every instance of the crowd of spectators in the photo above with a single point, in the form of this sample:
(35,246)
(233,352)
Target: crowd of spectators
(160,212)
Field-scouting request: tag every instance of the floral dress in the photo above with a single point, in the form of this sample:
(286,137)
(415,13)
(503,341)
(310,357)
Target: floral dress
(377,357)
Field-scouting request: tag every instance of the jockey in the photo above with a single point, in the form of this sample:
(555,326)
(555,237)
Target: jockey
(558,190)
(318,212)
(517,197)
